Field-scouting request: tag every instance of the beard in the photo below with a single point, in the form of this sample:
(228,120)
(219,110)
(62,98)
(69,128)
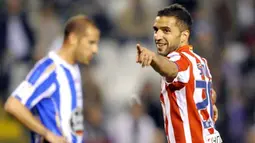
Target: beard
(169,49)
(164,47)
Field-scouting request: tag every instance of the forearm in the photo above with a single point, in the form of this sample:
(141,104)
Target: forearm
(164,67)
(214,96)
(18,110)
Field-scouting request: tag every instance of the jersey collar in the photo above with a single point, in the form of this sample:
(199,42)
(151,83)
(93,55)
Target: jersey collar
(184,48)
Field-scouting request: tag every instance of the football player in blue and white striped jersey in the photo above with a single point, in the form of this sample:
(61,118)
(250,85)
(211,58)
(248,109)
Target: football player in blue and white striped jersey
(49,100)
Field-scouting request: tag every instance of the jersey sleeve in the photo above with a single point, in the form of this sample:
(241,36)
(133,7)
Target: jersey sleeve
(39,84)
(183,69)
(207,69)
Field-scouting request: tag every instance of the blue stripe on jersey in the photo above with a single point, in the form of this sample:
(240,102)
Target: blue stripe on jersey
(47,112)
(41,88)
(37,72)
(211,105)
(73,91)
(56,101)
(202,84)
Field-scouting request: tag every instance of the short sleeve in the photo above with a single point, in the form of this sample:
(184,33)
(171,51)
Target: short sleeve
(39,84)
(207,69)
(183,69)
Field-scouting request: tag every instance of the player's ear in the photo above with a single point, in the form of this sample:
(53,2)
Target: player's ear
(73,39)
(185,36)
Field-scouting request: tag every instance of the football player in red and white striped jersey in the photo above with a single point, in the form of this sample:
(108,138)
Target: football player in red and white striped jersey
(186,83)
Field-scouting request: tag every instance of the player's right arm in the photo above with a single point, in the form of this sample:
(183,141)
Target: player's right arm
(18,110)
(38,85)
(160,64)
(174,68)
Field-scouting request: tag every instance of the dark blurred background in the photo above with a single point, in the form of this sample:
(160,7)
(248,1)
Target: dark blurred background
(223,32)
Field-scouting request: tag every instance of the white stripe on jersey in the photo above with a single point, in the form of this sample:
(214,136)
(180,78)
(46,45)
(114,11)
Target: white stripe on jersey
(65,103)
(183,76)
(25,93)
(174,56)
(207,67)
(36,66)
(197,91)
(45,94)
(167,113)
(182,104)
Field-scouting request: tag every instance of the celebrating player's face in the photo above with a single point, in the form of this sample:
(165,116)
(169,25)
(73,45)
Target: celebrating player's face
(87,46)
(167,34)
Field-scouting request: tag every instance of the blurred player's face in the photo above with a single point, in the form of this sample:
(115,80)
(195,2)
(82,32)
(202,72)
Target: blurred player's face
(87,46)
(167,34)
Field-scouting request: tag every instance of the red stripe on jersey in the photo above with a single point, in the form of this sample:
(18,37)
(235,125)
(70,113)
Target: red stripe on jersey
(194,118)
(162,99)
(204,112)
(176,85)
(164,115)
(182,63)
(166,126)
(176,118)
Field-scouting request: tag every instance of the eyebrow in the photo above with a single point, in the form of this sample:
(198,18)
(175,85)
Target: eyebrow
(163,27)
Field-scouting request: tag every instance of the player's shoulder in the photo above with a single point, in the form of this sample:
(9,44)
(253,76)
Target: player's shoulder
(174,56)
(201,58)
(178,56)
(46,64)
(43,67)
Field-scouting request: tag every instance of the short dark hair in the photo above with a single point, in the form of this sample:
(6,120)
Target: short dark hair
(77,24)
(180,13)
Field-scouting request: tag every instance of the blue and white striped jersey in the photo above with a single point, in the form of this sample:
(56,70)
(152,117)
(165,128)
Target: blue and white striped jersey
(52,91)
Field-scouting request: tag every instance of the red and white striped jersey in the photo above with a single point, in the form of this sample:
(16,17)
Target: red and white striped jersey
(186,101)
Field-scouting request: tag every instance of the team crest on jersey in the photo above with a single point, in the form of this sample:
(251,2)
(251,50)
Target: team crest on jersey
(76,122)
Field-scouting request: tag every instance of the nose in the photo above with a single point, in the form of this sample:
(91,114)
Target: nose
(158,35)
(95,49)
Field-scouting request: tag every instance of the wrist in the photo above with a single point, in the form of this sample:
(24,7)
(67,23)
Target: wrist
(154,56)
(46,133)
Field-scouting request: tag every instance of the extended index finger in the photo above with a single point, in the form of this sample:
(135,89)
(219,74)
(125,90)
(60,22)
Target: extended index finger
(139,48)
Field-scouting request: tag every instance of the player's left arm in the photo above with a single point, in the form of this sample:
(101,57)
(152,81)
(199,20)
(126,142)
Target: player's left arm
(160,64)
(215,109)
(214,96)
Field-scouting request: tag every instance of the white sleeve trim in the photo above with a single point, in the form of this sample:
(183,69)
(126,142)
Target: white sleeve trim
(45,94)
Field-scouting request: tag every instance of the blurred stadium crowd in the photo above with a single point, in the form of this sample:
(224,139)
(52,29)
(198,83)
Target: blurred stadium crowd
(223,32)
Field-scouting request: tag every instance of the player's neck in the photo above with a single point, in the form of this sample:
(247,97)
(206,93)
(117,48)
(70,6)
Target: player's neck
(66,53)
(183,44)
